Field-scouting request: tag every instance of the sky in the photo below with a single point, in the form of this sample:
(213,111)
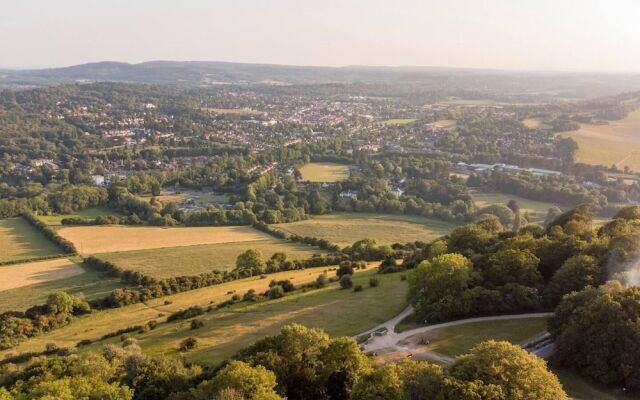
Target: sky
(565,35)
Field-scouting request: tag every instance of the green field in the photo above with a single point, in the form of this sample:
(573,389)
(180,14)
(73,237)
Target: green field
(324,172)
(87,213)
(459,339)
(19,241)
(338,311)
(192,260)
(579,388)
(616,143)
(537,210)
(445,123)
(91,285)
(400,121)
(345,228)
(95,325)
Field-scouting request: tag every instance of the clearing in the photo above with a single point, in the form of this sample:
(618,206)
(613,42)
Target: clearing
(18,275)
(324,172)
(616,143)
(345,228)
(445,123)
(537,210)
(89,284)
(87,213)
(192,260)
(95,325)
(338,311)
(110,238)
(20,241)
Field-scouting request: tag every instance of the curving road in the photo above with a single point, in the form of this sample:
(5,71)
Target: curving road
(391,339)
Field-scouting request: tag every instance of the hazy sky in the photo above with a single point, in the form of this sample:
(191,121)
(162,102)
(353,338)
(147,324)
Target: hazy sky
(510,34)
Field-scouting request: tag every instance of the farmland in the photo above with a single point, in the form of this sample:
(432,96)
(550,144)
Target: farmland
(614,143)
(89,284)
(339,312)
(106,239)
(345,228)
(400,121)
(96,325)
(18,275)
(324,172)
(19,241)
(537,210)
(193,260)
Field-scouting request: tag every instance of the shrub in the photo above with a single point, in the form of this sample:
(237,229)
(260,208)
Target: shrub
(196,323)
(189,343)
(346,282)
(373,282)
(358,288)
(275,292)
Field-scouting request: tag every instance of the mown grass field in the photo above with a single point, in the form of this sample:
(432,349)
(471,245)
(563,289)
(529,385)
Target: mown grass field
(324,172)
(19,241)
(537,210)
(19,275)
(106,239)
(345,228)
(193,260)
(445,123)
(338,311)
(89,284)
(400,121)
(95,325)
(616,143)
(459,339)
(87,213)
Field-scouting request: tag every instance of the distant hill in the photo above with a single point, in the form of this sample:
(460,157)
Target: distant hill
(208,73)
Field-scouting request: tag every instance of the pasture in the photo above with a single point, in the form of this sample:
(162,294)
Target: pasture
(338,311)
(445,123)
(537,210)
(192,260)
(324,172)
(616,143)
(107,239)
(534,123)
(459,339)
(345,228)
(95,325)
(400,121)
(87,213)
(89,284)
(20,241)
(18,275)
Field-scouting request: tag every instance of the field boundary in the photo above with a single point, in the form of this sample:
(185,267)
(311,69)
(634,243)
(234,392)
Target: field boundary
(64,244)
(34,259)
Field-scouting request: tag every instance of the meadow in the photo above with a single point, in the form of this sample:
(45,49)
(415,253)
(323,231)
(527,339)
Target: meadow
(324,172)
(87,213)
(445,123)
(534,123)
(18,275)
(345,228)
(616,143)
(192,260)
(400,121)
(95,325)
(459,339)
(338,311)
(20,241)
(537,210)
(89,284)
(106,239)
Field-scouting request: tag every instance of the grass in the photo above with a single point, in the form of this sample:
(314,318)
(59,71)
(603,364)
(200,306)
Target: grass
(106,239)
(400,121)
(614,143)
(345,228)
(537,210)
(534,123)
(339,312)
(192,260)
(324,172)
(90,284)
(95,325)
(582,389)
(87,213)
(445,123)
(19,275)
(19,241)
(459,339)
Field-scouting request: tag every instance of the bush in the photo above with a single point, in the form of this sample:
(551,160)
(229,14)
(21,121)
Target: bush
(346,282)
(189,343)
(358,288)
(196,323)
(321,280)
(275,292)
(250,295)
(373,282)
